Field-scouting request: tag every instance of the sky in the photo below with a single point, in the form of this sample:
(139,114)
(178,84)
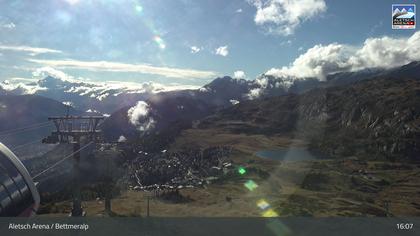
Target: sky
(191,42)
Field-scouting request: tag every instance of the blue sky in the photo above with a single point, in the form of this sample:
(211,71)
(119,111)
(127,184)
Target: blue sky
(182,42)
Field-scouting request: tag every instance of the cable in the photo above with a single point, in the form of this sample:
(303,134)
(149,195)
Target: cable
(62,160)
(24,130)
(26,144)
(21,130)
(25,127)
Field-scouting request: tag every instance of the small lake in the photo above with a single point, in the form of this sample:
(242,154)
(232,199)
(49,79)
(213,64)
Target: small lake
(289,154)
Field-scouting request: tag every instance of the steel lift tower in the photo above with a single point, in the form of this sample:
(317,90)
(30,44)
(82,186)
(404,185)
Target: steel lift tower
(74,130)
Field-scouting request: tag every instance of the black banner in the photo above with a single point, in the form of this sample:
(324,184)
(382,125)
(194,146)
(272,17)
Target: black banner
(209,226)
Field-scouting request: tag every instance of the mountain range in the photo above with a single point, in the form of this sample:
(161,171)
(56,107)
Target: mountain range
(107,97)
(95,97)
(221,92)
(159,114)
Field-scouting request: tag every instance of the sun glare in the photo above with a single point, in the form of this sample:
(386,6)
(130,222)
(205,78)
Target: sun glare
(159,41)
(138,8)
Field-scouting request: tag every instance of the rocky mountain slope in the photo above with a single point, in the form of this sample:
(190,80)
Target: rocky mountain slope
(376,118)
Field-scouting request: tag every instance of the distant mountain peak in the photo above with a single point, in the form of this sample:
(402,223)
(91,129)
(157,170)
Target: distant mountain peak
(54,82)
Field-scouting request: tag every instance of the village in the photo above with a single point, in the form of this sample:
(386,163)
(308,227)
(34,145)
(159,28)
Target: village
(172,171)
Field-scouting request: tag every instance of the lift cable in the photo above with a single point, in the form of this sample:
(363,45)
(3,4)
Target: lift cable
(25,129)
(26,144)
(62,160)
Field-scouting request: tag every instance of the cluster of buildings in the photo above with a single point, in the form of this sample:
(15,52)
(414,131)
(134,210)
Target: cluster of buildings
(185,169)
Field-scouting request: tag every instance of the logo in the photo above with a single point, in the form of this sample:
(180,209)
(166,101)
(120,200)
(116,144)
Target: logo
(403,16)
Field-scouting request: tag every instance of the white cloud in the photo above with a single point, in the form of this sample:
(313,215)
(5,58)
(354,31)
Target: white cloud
(68,103)
(284,16)
(321,60)
(239,10)
(255,93)
(141,109)
(387,52)
(83,86)
(102,96)
(20,87)
(43,72)
(152,87)
(139,116)
(92,111)
(234,102)
(72,2)
(125,67)
(195,49)
(222,51)
(261,83)
(239,75)
(30,50)
(286,43)
(9,25)
(19,79)
(316,62)
(122,139)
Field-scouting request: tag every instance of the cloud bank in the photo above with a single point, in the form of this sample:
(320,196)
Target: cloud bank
(32,50)
(381,52)
(59,81)
(126,67)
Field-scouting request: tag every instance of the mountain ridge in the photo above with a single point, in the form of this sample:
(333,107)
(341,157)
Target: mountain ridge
(376,118)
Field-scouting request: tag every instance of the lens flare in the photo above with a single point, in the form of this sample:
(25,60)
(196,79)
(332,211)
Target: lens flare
(250,185)
(270,213)
(138,8)
(159,41)
(263,204)
(278,228)
(241,170)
